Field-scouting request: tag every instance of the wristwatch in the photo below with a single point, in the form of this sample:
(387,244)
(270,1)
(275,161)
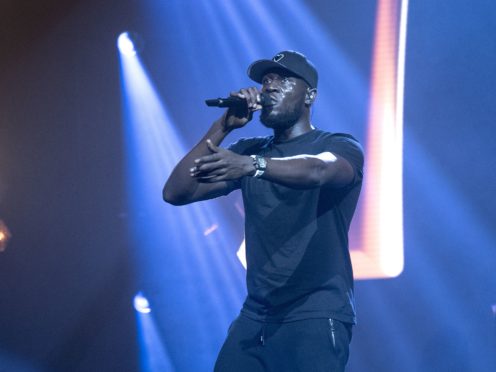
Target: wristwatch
(260,165)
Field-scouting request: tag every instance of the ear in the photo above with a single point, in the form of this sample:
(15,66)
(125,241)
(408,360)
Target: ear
(310,96)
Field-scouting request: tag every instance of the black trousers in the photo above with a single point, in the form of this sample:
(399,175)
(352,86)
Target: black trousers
(310,345)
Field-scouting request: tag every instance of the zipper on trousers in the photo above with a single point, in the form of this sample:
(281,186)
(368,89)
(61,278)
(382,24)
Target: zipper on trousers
(333,332)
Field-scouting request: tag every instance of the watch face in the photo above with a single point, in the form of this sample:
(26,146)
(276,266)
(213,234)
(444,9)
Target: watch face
(261,163)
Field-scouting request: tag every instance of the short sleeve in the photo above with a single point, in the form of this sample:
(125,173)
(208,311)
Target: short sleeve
(248,146)
(244,146)
(348,147)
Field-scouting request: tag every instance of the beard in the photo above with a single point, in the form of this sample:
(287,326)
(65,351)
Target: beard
(280,120)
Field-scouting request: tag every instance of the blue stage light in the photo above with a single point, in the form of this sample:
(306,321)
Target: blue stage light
(126,44)
(187,254)
(141,304)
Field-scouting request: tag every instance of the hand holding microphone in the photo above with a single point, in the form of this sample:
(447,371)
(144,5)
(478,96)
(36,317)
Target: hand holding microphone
(241,104)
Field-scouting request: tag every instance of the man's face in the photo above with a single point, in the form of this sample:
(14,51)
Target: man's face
(287,94)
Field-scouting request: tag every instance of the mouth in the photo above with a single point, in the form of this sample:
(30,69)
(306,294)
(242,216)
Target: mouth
(268,100)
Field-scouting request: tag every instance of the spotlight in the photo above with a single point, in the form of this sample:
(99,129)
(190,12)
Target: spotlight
(129,43)
(4,236)
(141,304)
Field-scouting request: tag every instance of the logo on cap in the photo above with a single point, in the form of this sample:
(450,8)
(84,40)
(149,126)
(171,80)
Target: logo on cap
(278,57)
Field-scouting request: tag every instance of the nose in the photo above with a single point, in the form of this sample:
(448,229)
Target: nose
(269,87)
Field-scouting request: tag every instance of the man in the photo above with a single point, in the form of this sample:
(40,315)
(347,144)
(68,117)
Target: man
(300,188)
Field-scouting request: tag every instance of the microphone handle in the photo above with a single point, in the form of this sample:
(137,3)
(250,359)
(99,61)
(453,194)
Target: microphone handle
(233,101)
(225,102)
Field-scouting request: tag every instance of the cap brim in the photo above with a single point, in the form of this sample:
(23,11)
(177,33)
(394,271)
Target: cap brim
(257,69)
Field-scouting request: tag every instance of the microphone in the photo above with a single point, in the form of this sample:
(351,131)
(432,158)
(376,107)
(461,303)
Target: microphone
(235,101)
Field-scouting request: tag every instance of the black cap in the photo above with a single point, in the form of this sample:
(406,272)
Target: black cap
(288,60)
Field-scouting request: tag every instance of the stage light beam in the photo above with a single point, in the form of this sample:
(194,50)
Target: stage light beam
(126,44)
(141,304)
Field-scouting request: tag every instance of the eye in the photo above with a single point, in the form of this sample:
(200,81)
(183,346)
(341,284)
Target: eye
(266,81)
(285,79)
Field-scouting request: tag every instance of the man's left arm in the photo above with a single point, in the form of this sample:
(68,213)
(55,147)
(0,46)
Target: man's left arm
(299,172)
(310,171)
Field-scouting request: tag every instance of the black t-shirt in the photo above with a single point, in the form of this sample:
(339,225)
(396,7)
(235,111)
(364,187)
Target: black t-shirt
(298,262)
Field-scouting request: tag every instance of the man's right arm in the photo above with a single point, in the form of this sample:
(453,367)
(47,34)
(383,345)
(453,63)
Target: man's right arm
(181,187)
